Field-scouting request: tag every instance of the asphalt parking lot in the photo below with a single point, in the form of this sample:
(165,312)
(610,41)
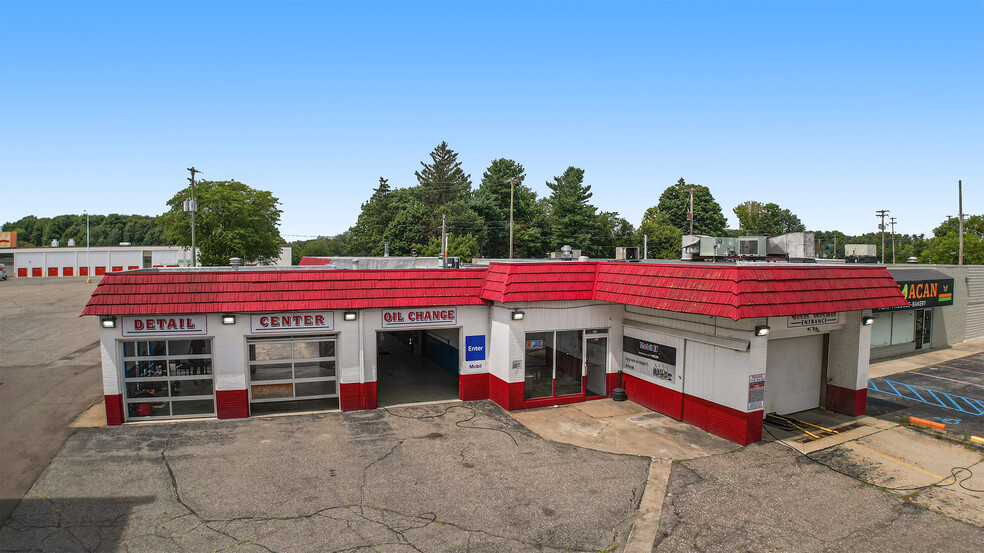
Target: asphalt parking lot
(951,392)
(49,373)
(442,477)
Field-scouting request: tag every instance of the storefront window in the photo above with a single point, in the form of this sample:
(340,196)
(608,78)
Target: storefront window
(893,328)
(168,378)
(554,363)
(282,369)
(539,365)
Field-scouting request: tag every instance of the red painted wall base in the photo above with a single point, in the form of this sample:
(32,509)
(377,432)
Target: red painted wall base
(114,410)
(231,404)
(472,387)
(846,401)
(731,424)
(656,397)
(356,396)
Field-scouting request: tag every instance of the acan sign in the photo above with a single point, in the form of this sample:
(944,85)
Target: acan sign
(925,293)
(430,316)
(311,321)
(164,325)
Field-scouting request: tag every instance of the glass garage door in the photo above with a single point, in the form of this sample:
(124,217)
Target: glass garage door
(284,369)
(165,379)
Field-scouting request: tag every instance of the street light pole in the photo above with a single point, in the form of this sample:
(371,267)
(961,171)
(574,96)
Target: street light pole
(88,262)
(960,219)
(892,221)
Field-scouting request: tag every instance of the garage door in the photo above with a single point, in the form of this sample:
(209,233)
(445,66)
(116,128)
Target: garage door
(792,374)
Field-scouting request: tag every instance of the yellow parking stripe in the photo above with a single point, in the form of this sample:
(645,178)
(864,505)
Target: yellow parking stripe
(907,465)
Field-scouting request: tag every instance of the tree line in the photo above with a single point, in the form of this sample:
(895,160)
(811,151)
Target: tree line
(235,220)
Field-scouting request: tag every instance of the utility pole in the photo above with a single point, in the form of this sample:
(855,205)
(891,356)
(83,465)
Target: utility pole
(645,246)
(835,246)
(512,186)
(892,221)
(960,219)
(192,206)
(690,214)
(444,243)
(882,213)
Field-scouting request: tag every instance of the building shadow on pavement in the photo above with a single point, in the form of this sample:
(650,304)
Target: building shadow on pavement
(69,524)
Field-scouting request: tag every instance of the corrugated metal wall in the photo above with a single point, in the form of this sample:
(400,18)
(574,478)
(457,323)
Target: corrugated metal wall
(975,303)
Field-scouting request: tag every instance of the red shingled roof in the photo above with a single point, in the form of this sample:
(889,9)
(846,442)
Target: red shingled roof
(163,292)
(747,291)
(732,291)
(539,281)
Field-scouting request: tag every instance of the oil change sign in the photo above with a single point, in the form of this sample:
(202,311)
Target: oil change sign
(649,358)
(430,316)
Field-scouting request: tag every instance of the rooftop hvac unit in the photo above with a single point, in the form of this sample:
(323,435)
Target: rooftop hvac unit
(626,252)
(752,246)
(451,262)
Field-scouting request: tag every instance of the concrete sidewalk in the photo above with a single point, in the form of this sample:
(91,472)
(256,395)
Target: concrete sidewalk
(920,359)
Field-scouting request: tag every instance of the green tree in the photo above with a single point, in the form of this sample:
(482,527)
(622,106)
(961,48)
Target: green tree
(944,247)
(664,240)
(233,220)
(491,202)
(615,231)
(442,180)
(573,220)
(758,219)
(464,246)
(675,203)
(405,233)
(366,236)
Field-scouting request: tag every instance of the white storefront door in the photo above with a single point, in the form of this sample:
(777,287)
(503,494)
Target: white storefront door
(792,378)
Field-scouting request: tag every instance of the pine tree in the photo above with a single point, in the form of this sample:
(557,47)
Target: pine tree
(574,221)
(366,236)
(491,201)
(443,180)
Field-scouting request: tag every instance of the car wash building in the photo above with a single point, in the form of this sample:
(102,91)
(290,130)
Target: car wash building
(717,346)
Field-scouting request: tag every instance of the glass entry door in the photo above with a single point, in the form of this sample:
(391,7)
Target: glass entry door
(924,328)
(596,365)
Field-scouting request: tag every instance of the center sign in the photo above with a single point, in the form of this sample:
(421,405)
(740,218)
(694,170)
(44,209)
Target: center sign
(309,321)
(430,316)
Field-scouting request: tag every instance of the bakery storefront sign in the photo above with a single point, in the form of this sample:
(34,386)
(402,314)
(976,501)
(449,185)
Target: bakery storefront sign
(813,319)
(430,316)
(279,323)
(164,325)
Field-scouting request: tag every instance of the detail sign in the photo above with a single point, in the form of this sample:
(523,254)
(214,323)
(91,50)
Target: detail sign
(649,358)
(164,325)
(475,348)
(431,316)
(813,319)
(310,321)
(756,391)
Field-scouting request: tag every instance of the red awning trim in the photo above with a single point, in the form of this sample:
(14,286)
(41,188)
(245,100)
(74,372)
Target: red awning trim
(735,292)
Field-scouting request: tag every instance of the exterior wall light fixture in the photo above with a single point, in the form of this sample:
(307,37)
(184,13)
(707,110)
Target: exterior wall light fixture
(228,319)
(761,331)
(350,315)
(867,321)
(518,315)
(108,321)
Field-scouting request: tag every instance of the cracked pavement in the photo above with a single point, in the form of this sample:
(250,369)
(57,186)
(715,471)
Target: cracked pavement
(443,477)
(766,497)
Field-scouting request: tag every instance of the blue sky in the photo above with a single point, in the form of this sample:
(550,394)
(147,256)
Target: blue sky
(831,109)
